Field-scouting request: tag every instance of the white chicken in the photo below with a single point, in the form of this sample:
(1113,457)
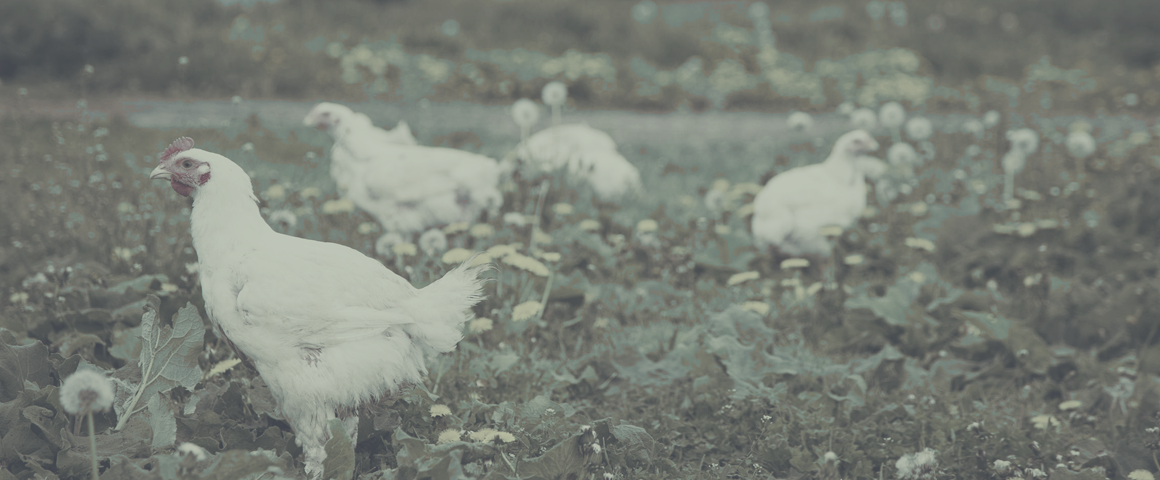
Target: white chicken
(589,154)
(794,206)
(356,138)
(327,327)
(407,188)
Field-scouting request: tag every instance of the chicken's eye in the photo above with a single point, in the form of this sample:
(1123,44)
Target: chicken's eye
(186,164)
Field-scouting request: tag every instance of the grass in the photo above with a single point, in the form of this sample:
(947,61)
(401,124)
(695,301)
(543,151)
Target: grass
(996,343)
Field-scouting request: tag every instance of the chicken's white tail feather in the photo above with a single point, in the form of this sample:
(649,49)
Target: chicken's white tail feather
(444,306)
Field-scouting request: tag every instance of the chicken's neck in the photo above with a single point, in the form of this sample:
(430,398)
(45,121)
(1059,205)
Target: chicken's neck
(842,168)
(224,224)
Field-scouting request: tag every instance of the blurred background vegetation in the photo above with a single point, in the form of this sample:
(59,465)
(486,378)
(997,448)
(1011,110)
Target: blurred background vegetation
(260,49)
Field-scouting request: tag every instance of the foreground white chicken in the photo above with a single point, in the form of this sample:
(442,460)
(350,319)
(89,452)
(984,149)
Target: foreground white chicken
(327,327)
(794,206)
(406,187)
(589,155)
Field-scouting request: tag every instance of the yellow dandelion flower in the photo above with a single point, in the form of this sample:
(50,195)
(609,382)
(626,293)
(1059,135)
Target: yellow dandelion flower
(1047,223)
(479,325)
(647,225)
(1043,421)
(221,367)
(481,259)
(589,225)
(920,243)
(406,249)
(525,311)
(367,228)
(916,277)
(448,436)
(745,210)
(721,185)
(527,263)
(341,205)
(275,192)
(830,230)
(1026,229)
(1003,229)
(457,255)
(482,230)
(742,278)
(760,308)
(167,287)
(869,212)
(688,201)
(1141,475)
(563,209)
(484,435)
(505,437)
(1070,405)
(794,263)
(310,192)
(549,256)
(439,410)
(500,251)
(814,288)
(722,229)
(540,237)
(602,322)
(456,227)
(746,187)
(1030,195)
(18,297)
(918,209)
(854,259)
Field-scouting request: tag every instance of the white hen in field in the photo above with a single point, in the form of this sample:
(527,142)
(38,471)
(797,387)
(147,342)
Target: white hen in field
(590,155)
(327,327)
(794,206)
(356,138)
(408,188)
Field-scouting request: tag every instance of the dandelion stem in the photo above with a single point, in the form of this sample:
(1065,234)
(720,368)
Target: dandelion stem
(92,445)
(539,209)
(544,297)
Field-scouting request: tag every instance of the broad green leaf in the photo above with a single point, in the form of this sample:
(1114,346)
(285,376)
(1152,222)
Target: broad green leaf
(168,355)
(161,421)
(339,463)
(24,363)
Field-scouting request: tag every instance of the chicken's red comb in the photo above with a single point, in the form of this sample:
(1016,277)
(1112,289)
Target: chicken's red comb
(180,145)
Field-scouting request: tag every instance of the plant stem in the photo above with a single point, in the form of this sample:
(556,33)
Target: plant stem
(92,445)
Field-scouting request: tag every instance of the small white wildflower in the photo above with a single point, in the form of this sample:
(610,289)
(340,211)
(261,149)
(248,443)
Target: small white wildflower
(86,390)
(596,448)
(830,457)
(194,449)
(1001,466)
(800,121)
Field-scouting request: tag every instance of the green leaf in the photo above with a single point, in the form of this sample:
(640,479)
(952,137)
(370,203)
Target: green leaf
(20,364)
(339,463)
(161,421)
(168,355)
(140,284)
(560,461)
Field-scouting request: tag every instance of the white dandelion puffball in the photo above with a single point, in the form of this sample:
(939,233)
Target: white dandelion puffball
(991,118)
(800,121)
(846,108)
(892,115)
(919,128)
(1024,140)
(1080,144)
(433,241)
(192,449)
(86,390)
(525,112)
(554,94)
(974,127)
(902,154)
(864,119)
(1014,161)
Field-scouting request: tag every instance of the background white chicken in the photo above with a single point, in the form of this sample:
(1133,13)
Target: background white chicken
(589,155)
(406,187)
(327,327)
(794,206)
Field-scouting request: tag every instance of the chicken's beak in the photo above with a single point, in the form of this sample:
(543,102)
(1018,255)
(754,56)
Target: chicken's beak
(160,172)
